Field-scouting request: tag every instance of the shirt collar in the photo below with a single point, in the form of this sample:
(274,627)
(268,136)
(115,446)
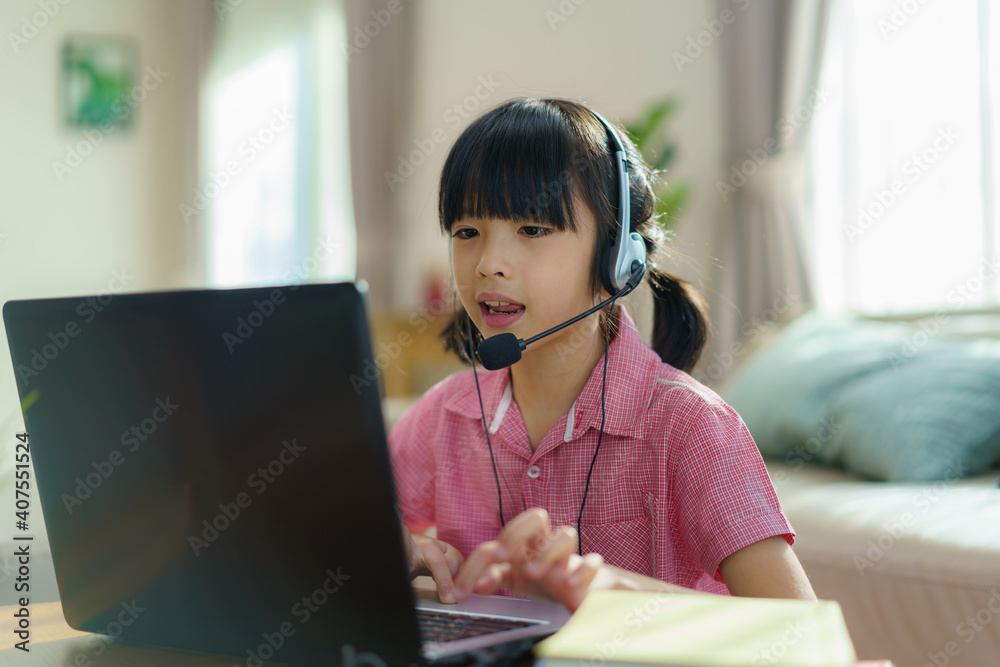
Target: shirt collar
(627,394)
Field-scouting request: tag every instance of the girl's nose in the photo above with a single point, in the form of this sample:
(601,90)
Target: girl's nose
(494,258)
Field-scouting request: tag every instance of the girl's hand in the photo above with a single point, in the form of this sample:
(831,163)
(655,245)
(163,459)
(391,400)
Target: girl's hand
(534,561)
(439,559)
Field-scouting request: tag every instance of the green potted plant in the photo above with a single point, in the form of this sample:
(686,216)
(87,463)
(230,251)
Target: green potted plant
(649,134)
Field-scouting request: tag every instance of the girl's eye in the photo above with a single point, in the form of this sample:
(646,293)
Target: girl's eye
(535,231)
(466,233)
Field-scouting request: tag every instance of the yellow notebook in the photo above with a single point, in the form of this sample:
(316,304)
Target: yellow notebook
(643,628)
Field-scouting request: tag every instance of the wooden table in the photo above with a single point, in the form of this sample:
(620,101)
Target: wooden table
(55,644)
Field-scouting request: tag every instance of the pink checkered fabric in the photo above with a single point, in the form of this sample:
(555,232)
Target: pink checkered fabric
(678,484)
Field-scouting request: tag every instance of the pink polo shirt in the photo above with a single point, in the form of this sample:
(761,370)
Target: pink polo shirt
(678,484)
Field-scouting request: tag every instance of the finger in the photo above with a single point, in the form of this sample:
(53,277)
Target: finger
(525,534)
(475,567)
(571,581)
(585,570)
(436,562)
(453,556)
(495,577)
(555,579)
(561,545)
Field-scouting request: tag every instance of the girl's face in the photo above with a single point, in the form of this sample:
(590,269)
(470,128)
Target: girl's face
(542,274)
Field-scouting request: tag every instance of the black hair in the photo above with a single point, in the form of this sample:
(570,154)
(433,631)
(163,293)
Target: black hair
(528,160)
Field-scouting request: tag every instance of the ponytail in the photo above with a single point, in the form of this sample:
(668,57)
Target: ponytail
(680,322)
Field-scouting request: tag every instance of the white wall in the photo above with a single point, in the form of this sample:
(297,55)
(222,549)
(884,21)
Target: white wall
(118,210)
(613,55)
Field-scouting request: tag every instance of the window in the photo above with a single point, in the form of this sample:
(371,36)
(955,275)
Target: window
(904,158)
(276,186)
(255,142)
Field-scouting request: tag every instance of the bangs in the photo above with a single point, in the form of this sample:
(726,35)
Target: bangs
(520,162)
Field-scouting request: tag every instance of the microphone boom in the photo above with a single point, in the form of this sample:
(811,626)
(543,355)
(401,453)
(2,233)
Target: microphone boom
(505,349)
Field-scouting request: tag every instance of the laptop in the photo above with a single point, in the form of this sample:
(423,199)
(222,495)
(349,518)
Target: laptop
(214,476)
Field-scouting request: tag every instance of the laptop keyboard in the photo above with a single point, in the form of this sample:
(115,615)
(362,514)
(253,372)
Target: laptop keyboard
(436,626)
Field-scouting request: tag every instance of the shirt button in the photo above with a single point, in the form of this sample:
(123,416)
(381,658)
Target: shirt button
(534,472)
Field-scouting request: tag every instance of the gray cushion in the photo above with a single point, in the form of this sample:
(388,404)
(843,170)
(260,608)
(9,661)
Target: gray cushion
(880,400)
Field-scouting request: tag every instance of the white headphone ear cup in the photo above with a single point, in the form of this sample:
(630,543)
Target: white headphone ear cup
(634,250)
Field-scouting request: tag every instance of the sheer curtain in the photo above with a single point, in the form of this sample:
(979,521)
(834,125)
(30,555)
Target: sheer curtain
(905,160)
(771,55)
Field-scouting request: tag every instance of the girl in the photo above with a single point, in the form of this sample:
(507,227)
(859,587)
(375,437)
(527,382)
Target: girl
(637,464)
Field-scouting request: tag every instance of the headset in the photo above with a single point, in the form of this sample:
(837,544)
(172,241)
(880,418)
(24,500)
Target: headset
(618,261)
(622,266)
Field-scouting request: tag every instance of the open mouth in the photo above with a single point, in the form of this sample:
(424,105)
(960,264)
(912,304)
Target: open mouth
(501,307)
(500,314)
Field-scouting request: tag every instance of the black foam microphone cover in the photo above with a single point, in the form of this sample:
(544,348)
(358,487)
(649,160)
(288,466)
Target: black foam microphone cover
(499,351)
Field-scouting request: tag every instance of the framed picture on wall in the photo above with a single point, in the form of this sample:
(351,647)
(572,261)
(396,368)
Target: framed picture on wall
(99,74)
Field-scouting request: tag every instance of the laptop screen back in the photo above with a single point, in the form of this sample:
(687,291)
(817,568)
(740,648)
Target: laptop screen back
(212,468)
